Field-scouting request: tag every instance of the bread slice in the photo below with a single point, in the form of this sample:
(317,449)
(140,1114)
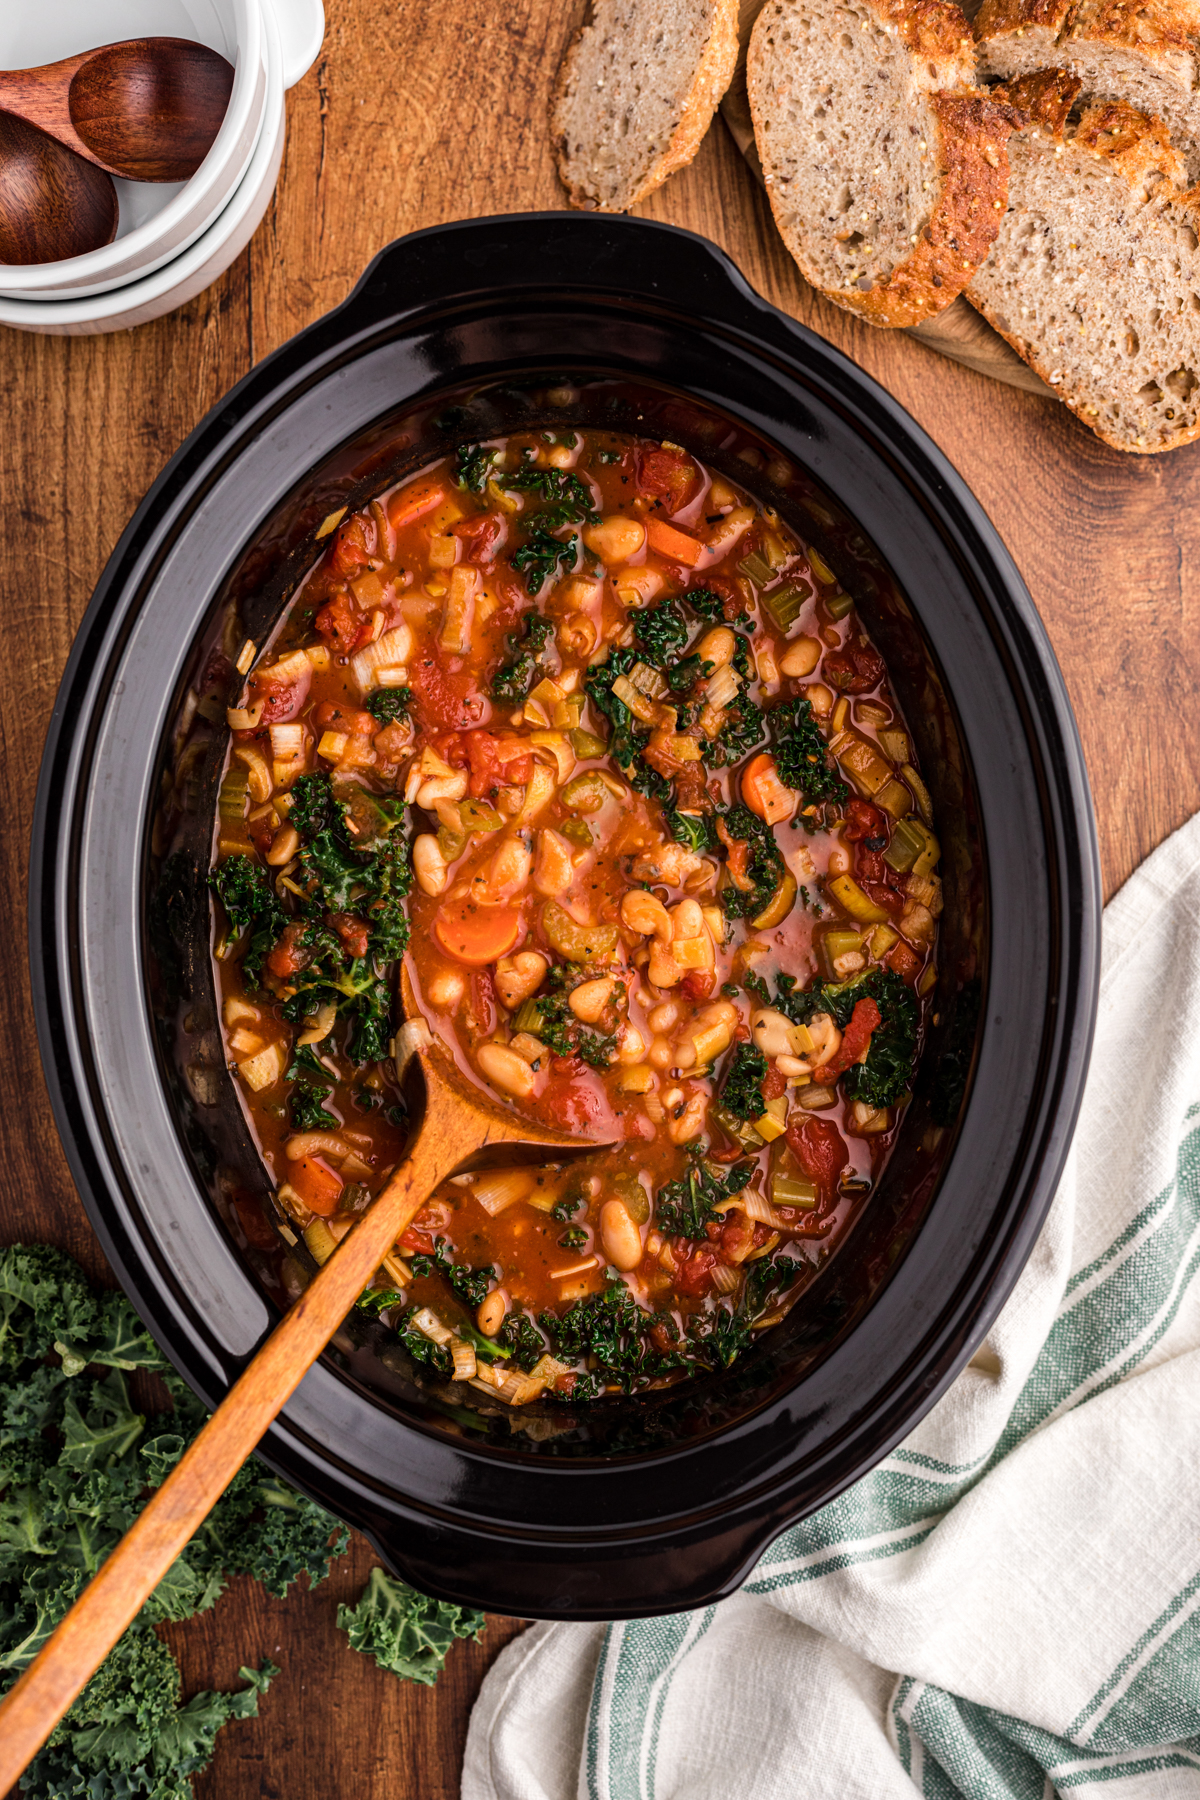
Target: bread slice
(635,94)
(885,166)
(1144,54)
(1095,276)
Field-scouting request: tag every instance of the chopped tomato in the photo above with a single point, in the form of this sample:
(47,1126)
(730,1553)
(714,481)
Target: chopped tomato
(763,791)
(695,1271)
(288,957)
(884,896)
(820,1149)
(332,717)
(853,669)
(392,741)
(738,859)
(668,541)
(697,984)
(352,546)
(445,699)
(735,1237)
(352,931)
(774,1084)
(414,502)
(278,702)
(864,821)
(733,604)
(495,762)
(903,961)
(856,1041)
(482,535)
(668,475)
(475,934)
(341,624)
(319,1186)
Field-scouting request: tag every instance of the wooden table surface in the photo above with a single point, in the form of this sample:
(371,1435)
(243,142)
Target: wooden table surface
(409,118)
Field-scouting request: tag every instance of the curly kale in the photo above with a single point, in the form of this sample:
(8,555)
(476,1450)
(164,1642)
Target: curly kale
(566,496)
(306,1111)
(472,466)
(707,604)
(389,705)
(422,1349)
(802,755)
(564,1035)
(686,1206)
(541,557)
(626,744)
(764,865)
(742,1093)
(611,1327)
(404,1630)
(743,730)
(521,1337)
(471,1285)
(696,830)
(313,809)
(513,679)
(255,911)
(887,1072)
(659,632)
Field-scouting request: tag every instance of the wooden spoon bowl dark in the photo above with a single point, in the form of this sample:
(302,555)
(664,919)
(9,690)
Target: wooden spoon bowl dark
(147,109)
(53,205)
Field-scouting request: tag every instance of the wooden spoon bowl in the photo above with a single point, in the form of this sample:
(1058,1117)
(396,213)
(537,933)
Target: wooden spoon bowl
(146,109)
(460,1128)
(53,205)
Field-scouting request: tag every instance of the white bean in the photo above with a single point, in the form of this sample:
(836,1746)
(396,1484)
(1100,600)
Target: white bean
(554,870)
(589,999)
(445,989)
(284,846)
(519,976)
(717,646)
(429,865)
(772,1032)
(510,868)
(620,1238)
(506,1070)
(492,1309)
(690,1122)
(801,656)
(646,913)
(615,539)
(662,1017)
(687,920)
(442,787)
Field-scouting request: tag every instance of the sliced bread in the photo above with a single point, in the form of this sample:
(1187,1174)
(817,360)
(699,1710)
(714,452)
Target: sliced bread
(635,94)
(1143,53)
(1095,276)
(885,166)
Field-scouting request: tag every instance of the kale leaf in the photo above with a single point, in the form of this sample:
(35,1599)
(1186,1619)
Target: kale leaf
(247,892)
(742,1093)
(389,705)
(696,830)
(684,1207)
(626,744)
(764,867)
(567,496)
(541,557)
(472,466)
(521,1336)
(513,679)
(802,755)
(471,1285)
(887,1072)
(707,603)
(404,1630)
(742,731)
(659,632)
(611,1327)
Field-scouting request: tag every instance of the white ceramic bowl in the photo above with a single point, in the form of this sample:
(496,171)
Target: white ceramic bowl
(157,220)
(198,266)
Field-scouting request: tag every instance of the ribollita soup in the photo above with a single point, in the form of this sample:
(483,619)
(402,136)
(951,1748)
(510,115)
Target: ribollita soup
(584,735)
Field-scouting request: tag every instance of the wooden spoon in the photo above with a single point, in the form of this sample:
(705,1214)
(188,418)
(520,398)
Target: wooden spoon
(461,1129)
(52,204)
(146,109)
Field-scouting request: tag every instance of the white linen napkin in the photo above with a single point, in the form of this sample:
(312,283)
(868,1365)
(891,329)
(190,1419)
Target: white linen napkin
(1008,1607)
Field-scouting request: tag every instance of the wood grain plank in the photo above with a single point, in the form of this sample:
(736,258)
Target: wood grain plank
(411,117)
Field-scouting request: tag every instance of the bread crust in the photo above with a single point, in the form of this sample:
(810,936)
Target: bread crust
(712,75)
(1138,150)
(1159,32)
(973,130)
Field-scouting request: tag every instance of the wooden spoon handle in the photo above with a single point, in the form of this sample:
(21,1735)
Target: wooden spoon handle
(114,1596)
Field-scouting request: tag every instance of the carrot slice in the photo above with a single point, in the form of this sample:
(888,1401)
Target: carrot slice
(676,544)
(318,1185)
(414,502)
(763,791)
(475,934)
(903,961)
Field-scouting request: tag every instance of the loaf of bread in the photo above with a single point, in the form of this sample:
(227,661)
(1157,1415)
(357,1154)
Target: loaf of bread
(636,93)
(1144,54)
(1095,276)
(886,168)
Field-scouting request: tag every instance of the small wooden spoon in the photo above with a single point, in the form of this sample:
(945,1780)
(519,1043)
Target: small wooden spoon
(461,1129)
(146,109)
(52,204)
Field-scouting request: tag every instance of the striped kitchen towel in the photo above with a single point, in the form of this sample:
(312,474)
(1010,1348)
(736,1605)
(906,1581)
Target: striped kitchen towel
(1008,1607)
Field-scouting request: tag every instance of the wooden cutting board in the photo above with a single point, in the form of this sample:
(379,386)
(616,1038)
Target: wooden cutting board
(960,332)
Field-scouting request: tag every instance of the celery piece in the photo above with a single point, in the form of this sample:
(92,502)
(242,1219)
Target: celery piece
(757,568)
(833,944)
(477,815)
(231,802)
(577,832)
(793,1190)
(529,1018)
(908,841)
(893,743)
(586,745)
(585,793)
(784,603)
(451,843)
(741,1129)
(838,605)
(927,860)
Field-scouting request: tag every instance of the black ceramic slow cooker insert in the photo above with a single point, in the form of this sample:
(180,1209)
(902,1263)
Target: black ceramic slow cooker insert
(465,331)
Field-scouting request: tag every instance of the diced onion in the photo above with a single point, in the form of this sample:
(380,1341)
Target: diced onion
(263,1070)
(464,1359)
(638,704)
(720,688)
(724,1279)
(388,653)
(428,1323)
(287,742)
(496,1191)
(244,718)
(756,1206)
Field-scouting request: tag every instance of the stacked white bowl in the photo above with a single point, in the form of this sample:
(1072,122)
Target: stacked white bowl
(173,239)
